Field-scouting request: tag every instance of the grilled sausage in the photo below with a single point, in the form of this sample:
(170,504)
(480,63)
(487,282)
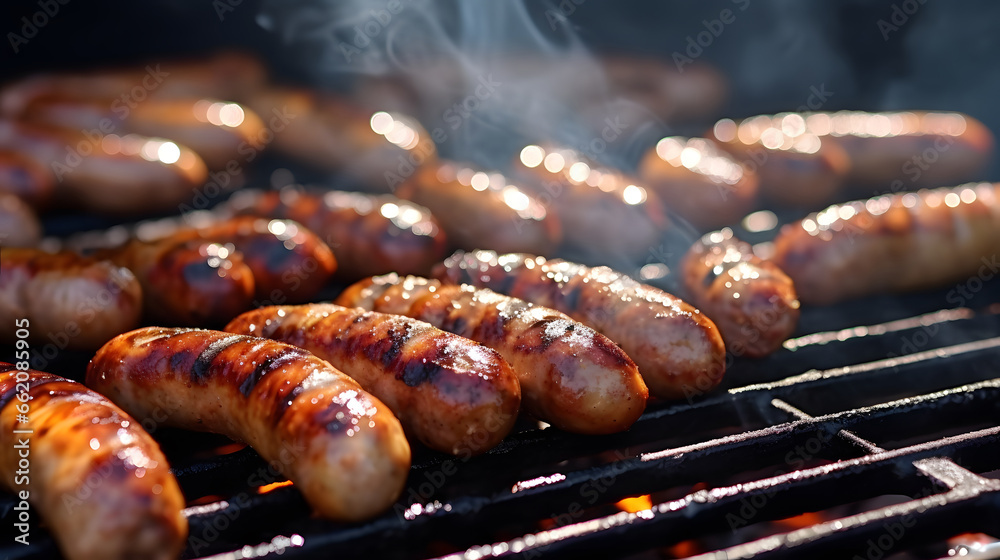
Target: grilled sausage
(110,174)
(369,234)
(926,149)
(699,181)
(289,262)
(571,376)
(476,208)
(601,210)
(377,150)
(341,446)
(25,177)
(751,300)
(451,393)
(97,478)
(19,226)
(795,166)
(891,243)
(197,283)
(218,131)
(75,302)
(227,75)
(678,349)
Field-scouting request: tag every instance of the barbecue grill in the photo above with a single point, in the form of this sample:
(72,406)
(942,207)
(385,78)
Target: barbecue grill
(828,448)
(874,434)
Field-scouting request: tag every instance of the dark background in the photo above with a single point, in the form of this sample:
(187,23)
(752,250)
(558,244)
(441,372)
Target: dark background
(942,56)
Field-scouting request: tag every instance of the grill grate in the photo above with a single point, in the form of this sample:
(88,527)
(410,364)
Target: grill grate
(907,406)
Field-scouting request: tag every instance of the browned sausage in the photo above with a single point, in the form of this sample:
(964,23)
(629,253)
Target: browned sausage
(369,234)
(601,210)
(75,302)
(476,208)
(453,394)
(795,166)
(19,225)
(341,446)
(378,150)
(909,150)
(678,349)
(570,375)
(751,300)
(699,181)
(227,75)
(94,475)
(892,243)
(197,283)
(289,262)
(25,177)
(109,174)
(219,131)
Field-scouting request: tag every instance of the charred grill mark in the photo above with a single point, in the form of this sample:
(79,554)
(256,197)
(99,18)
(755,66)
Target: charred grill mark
(251,380)
(420,371)
(199,370)
(281,405)
(396,338)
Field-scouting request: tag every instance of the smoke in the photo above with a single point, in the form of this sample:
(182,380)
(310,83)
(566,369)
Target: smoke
(484,78)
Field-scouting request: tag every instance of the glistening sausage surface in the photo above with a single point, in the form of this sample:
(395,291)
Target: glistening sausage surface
(570,375)
(678,349)
(94,475)
(341,446)
(453,394)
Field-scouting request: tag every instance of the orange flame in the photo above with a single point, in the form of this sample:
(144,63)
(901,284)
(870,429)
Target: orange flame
(638,503)
(269,487)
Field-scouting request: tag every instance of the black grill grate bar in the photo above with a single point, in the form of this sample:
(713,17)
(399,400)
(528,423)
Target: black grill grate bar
(918,321)
(714,503)
(846,435)
(884,364)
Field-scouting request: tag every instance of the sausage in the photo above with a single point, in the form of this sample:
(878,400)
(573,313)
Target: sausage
(796,167)
(452,394)
(19,225)
(25,177)
(289,263)
(227,75)
(377,150)
(110,174)
(692,93)
(907,150)
(218,131)
(601,210)
(476,208)
(699,181)
(75,302)
(751,300)
(369,234)
(338,444)
(678,349)
(96,477)
(187,282)
(891,243)
(570,376)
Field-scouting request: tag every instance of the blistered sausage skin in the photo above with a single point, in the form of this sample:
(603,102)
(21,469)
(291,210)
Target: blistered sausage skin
(751,300)
(289,262)
(453,394)
(892,243)
(477,210)
(96,477)
(72,301)
(339,445)
(570,375)
(369,234)
(678,349)
(189,283)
